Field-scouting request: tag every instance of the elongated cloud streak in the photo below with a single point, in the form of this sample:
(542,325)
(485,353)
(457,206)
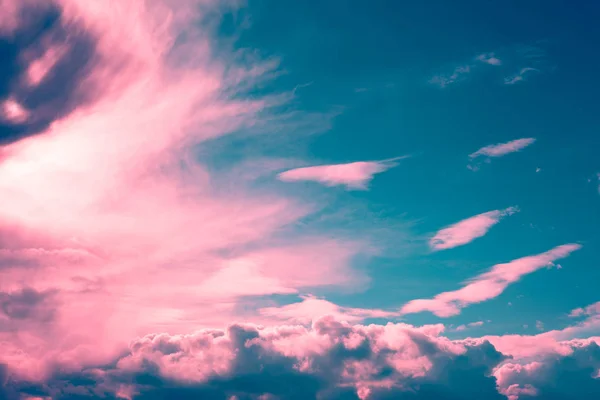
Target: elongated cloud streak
(312,308)
(487,285)
(469,229)
(501,149)
(355,176)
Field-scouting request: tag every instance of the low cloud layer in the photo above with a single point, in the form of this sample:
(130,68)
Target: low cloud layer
(328,360)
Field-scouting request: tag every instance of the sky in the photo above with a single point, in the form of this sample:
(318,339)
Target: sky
(263,200)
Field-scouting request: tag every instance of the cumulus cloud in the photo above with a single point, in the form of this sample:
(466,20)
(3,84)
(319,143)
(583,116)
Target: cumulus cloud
(330,360)
(469,229)
(354,176)
(488,285)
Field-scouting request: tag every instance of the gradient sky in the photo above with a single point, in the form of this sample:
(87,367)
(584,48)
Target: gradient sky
(299,199)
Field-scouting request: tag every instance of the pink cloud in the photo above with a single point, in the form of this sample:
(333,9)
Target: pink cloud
(475,324)
(371,362)
(591,310)
(111,212)
(355,176)
(469,229)
(14,112)
(501,149)
(40,67)
(488,285)
(312,308)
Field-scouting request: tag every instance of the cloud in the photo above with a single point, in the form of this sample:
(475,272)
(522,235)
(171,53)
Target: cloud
(539,325)
(355,175)
(469,229)
(519,76)
(489,58)
(457,75)
(13,112)
(591,310)
(488,285)
(461,328)
(502,149)
(112,197)
(327,360)
(312,308)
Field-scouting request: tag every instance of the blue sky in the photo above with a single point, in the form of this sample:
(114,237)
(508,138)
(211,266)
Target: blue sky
(359,199)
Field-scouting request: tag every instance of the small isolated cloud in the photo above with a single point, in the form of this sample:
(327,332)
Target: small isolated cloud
(14,112)
(469,229)
(539,325)
(489,58)
(487,285)
(461,328)
(502,149)
(355,175)
(519,76)
(458,74)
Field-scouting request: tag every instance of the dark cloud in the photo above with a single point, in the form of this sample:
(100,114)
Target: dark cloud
(25,305)
(60,91)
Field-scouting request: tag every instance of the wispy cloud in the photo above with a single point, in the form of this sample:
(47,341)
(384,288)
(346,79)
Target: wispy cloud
(461,328)
(487,285)
(312,308)
(457,75)
(519,76)
(469,229)
(502,149)
(354,176)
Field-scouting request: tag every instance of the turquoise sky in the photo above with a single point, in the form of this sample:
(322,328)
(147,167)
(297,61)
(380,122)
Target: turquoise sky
(374,67)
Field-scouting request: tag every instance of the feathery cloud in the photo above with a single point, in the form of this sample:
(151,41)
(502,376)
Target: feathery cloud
(501,149)
(519,76)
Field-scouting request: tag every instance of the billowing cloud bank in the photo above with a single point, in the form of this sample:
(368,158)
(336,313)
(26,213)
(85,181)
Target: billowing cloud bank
(332,360)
